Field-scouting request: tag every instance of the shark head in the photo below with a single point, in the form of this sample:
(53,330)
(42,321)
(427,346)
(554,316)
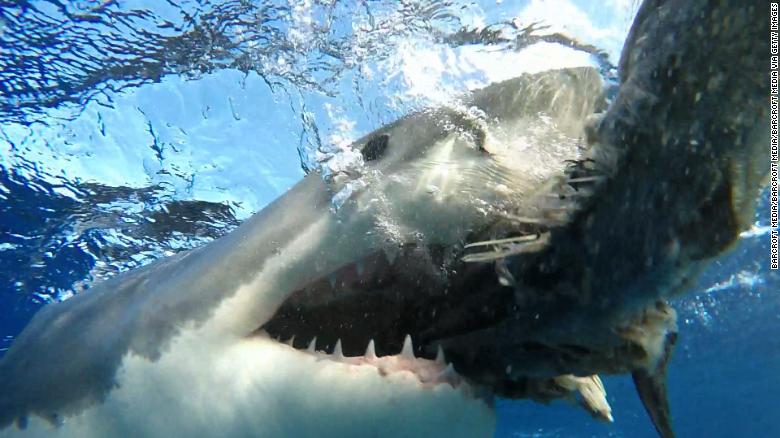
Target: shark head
(204,342)
(515,243)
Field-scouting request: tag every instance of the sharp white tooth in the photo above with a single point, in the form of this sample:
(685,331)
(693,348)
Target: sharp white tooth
(408,349)
(440,357)
(370,350)
(337,353)
(448,373)
(290,341)
(312,345)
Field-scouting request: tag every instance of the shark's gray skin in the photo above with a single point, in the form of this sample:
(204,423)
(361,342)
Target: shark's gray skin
(529,258)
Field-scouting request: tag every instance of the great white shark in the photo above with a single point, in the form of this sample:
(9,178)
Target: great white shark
(518,244)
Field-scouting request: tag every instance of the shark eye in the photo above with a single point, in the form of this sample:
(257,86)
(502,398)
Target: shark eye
(375,147)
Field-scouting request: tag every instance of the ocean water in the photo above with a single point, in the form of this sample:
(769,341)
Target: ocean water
(132,130)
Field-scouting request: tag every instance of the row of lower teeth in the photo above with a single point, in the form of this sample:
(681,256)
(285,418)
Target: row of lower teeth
(435,371)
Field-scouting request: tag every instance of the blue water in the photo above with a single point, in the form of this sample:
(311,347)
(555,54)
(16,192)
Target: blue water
(130,130)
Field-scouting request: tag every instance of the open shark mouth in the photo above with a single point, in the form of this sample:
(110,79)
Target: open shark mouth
(441,319)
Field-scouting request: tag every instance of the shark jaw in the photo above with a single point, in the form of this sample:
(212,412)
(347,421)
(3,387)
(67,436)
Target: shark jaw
(207,385)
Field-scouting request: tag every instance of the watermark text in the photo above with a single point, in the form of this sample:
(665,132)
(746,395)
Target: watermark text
(774,113)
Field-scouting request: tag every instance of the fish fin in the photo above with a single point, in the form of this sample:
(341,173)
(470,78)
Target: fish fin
(651,386)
